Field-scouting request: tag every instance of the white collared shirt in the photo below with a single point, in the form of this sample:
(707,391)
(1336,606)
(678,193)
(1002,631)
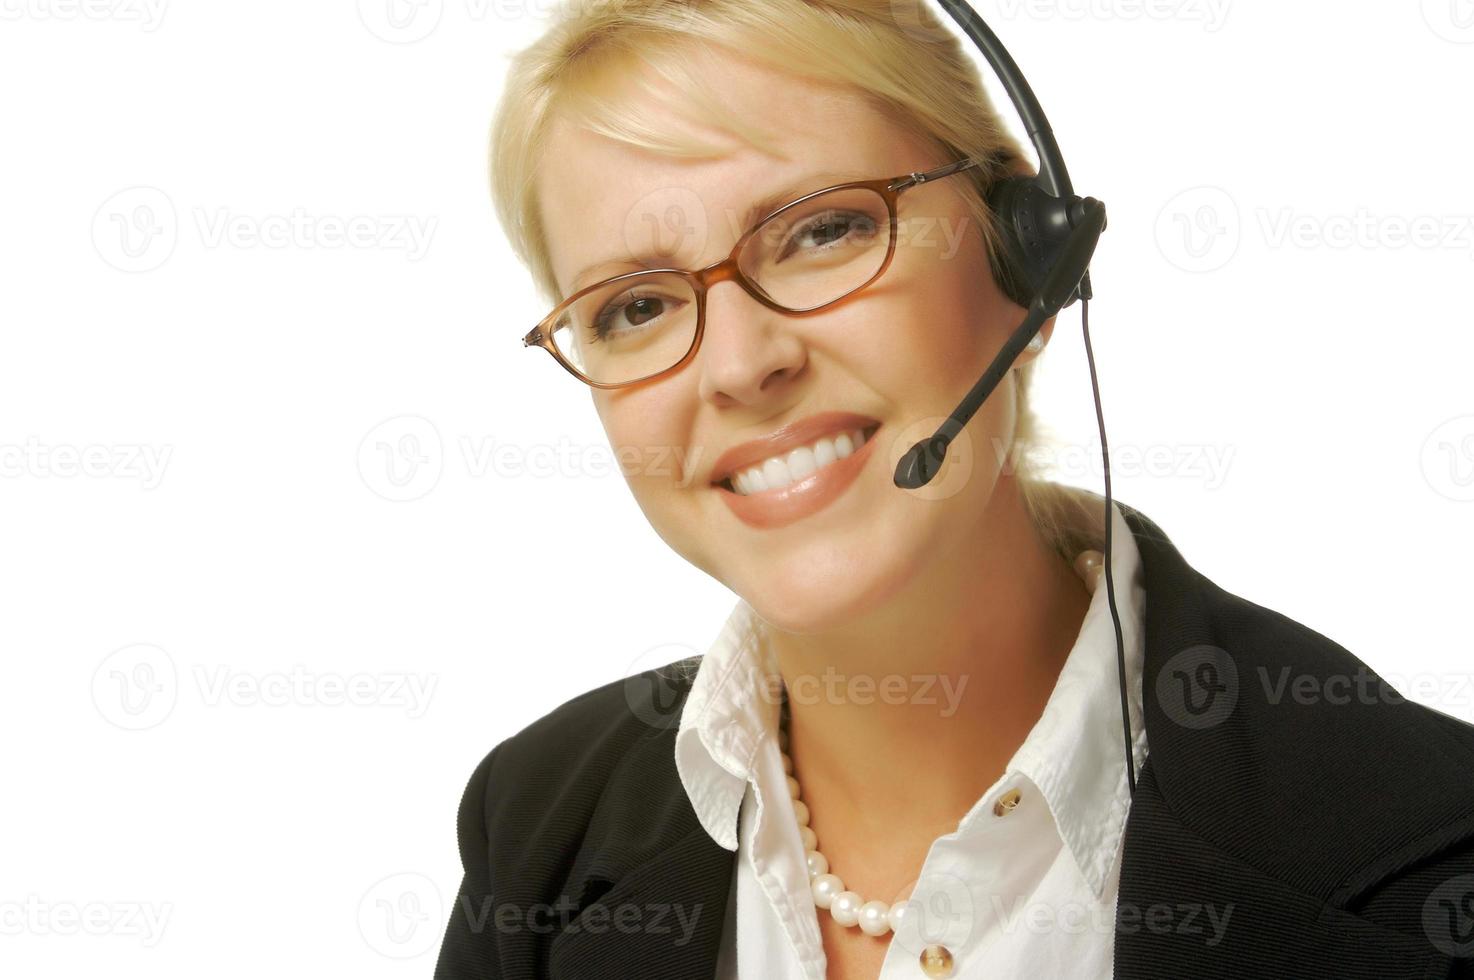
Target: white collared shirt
(1030,892)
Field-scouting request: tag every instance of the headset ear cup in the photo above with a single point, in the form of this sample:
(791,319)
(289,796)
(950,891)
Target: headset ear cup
(1018,234)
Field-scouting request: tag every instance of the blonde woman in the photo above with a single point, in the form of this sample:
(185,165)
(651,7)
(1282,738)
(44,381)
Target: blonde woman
(903,756)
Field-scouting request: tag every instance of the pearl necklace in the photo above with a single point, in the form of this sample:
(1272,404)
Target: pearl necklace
(875,918)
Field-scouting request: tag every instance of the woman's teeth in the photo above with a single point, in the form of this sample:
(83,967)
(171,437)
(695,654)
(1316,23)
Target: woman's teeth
(790,467)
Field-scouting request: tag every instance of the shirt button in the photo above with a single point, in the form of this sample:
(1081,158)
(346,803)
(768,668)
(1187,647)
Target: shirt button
(1006,803)
(936,961)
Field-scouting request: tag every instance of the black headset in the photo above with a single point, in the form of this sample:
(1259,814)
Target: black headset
(1049,234)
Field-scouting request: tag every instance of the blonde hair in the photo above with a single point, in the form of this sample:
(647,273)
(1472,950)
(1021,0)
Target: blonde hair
(914,71)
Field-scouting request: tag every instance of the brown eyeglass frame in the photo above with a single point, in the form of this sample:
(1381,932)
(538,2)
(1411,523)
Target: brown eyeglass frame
(889,188)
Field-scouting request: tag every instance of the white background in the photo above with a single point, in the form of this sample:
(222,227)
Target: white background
(1312,396)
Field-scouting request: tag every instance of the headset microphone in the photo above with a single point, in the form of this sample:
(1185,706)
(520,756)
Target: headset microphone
(1049,236)
(924,459)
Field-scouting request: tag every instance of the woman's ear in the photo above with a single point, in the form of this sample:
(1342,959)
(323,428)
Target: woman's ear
(1037,344)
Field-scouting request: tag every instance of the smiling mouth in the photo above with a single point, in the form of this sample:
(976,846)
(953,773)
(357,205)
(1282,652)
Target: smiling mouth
(785,469)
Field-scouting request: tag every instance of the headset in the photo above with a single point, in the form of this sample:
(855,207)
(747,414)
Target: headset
(1049,235)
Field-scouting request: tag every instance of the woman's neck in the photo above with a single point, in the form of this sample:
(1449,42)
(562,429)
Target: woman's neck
(940,686)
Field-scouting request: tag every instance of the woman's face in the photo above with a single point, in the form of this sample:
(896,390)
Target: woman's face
(899,354)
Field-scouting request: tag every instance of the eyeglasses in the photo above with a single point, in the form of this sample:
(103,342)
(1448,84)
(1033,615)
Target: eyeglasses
(802,258)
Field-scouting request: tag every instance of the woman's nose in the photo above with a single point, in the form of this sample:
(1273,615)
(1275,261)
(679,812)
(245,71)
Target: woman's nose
(748,352)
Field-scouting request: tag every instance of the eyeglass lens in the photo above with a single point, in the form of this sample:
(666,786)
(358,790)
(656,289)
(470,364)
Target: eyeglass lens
(808,255)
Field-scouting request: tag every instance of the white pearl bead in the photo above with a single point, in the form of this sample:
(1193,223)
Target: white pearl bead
(1089,565)
(801,810)
(846,908)
(810,839)
(818,864)
(874,918)
(793,787)
(787,764)
(825,887)
(897,914)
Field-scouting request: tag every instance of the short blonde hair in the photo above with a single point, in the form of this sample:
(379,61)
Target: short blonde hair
(912,70)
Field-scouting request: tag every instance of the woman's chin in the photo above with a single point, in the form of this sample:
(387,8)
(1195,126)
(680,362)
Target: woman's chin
(807,605)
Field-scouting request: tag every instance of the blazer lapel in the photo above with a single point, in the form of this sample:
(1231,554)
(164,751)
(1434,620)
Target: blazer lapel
(1210,840)
(673,908)
(649,886)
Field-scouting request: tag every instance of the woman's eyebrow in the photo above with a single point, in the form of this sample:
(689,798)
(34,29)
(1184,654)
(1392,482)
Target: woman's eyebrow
(760,208)
(814,182)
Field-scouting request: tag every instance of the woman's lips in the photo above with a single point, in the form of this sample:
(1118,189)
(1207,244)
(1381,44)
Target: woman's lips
(777,508)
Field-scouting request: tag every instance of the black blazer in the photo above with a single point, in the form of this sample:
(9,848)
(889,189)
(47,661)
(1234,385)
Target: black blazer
(1285,787)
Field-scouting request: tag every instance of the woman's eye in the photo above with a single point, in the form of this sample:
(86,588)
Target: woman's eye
(635,313)
(830,228)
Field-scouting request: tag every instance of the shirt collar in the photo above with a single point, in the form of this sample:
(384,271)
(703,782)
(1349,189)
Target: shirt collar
(724,720)
(1072,754)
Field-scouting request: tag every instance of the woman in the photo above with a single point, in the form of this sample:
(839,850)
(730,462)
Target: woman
(903,755)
